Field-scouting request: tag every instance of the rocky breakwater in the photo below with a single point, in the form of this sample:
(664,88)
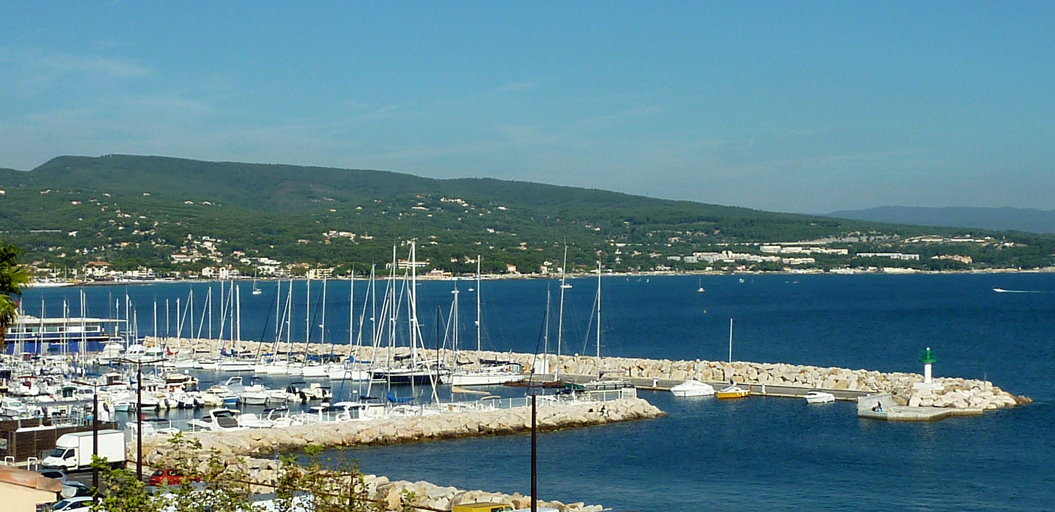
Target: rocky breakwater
(249,445)
(390,494)
(406,429)
(953,392)
(947,392)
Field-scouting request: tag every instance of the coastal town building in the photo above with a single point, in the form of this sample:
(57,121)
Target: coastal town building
(891,255)
(24,491)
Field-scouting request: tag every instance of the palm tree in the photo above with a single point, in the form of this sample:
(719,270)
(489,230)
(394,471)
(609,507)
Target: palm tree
(13,278)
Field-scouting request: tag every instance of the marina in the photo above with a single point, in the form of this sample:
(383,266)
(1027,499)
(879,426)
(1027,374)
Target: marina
(653,378)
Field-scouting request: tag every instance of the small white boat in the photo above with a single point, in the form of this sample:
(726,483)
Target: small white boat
(235,366)
(692,388)
(819,397)
(732,392)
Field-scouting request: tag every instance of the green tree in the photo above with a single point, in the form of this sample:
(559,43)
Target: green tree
(13,278)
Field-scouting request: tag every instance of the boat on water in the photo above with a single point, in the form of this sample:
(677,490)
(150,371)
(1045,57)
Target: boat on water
(412,368)
(218,420)
(819,397)
(692,388)
(482,372)
(28,329)
(732,392)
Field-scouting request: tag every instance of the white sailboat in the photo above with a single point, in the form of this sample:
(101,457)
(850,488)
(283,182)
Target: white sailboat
(484,373)
(256,291)
(732,391)
(411,369)
(351,369)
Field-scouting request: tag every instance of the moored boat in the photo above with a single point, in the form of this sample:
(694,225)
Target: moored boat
(732,392)
(692,388)
(819,397)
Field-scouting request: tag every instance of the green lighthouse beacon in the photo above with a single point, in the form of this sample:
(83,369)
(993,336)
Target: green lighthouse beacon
(927,358)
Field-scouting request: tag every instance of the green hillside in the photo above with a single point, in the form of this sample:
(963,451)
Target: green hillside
(139,211)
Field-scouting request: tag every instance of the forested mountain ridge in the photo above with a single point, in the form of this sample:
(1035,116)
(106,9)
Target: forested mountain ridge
(1019,219)
(158,212)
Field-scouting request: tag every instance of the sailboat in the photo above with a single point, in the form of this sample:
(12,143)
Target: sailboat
(486,373)
(700,289)
(351,369)
(600,387)
(256,291)
(733,391)
(411,369)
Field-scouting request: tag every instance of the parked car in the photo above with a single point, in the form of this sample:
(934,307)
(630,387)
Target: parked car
(72,489)
(56,474)
(69,504)
(167,477)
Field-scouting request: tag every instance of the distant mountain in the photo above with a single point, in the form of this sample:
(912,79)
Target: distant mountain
(1000,219)
(173,214)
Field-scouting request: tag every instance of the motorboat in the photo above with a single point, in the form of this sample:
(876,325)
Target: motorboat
(692,388)
(255,394)
(250,420)
(819,397)
(218,420)
(489,375)
(732,392)
(235,365)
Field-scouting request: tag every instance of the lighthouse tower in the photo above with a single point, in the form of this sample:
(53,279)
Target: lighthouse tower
(927,358)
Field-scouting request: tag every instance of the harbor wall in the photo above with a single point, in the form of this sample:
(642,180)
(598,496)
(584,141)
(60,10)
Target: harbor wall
(253,445)
(951,391)
(408,429)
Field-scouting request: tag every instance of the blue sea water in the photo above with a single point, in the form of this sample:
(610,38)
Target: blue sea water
(757,454)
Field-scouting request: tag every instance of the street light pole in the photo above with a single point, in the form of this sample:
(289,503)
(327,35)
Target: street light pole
(95,441)
(139,411)
(95,431)
(139,421)
(534,457)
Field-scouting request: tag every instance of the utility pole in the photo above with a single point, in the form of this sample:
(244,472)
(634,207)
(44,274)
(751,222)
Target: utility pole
(139,411)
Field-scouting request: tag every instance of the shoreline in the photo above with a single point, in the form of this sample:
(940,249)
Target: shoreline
(575,275)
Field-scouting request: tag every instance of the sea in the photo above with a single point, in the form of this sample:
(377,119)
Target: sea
(759,454)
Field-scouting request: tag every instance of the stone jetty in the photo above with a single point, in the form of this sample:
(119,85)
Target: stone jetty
(409,429)
(390,493)
(254,444)
(952,393)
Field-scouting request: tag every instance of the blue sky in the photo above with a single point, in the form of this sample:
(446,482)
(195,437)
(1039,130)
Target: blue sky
(786,106)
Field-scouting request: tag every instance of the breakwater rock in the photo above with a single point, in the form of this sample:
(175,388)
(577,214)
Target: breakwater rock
(231,446)
(953,392)
(387,494)
(406,429)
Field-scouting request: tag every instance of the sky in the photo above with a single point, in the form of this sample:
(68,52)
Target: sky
(806,107)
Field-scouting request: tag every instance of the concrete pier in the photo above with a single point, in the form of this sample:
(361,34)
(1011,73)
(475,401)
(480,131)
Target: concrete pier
(779,378)
(406,429)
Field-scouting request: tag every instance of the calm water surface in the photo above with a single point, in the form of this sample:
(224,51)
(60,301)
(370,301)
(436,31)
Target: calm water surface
(757,454)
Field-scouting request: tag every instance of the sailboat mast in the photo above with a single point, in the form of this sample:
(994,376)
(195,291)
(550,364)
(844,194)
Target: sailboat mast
(730,341)
(560,317)
(478,345)
(413,302)
(454,328)
(545,337)
(238,315)
(598,315)
(351,308)
(322,326)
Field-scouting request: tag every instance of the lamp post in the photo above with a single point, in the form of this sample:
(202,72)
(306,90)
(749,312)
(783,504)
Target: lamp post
(95,431)
(139,410)
(533,386)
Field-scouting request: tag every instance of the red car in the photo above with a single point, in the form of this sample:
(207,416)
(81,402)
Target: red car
(168,477)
